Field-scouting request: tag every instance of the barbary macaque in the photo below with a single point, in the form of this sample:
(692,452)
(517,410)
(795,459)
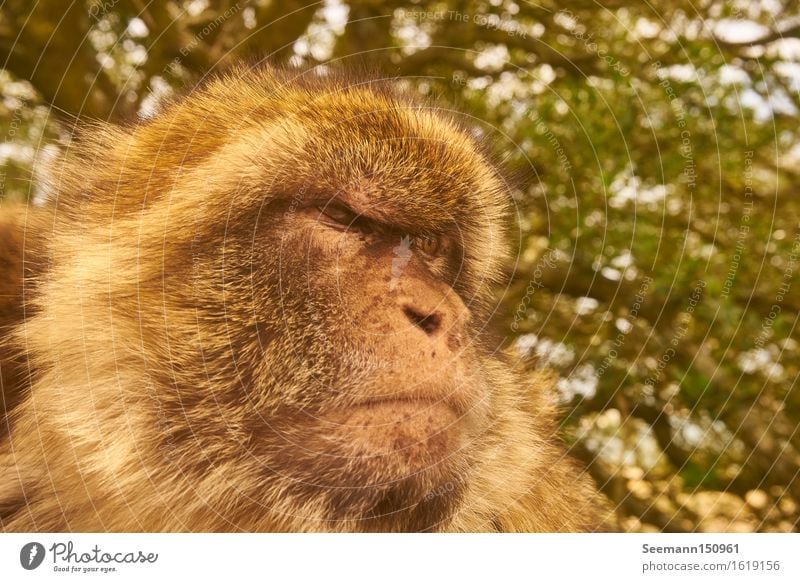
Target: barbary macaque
(268,308)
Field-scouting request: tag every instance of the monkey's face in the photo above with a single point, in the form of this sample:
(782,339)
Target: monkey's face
(387,393)
(341,262)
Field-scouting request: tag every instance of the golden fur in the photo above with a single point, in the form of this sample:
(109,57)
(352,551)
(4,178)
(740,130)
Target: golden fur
(175,335)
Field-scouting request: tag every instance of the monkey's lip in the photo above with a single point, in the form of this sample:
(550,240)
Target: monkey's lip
(411,402)
(420,416)
(401,400)
(418,429)
(389,411)
(428,395)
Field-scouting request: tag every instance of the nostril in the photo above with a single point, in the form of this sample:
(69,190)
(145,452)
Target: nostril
(429,323)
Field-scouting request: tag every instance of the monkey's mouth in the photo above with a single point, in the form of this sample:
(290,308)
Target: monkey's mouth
(408,434)
(388,412)
(403,402)
(373,442)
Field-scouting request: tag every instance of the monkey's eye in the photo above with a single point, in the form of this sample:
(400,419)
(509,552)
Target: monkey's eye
(430,245)
(341,215)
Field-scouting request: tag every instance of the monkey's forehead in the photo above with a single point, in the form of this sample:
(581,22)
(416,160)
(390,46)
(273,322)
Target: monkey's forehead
(328,136)
(250,137)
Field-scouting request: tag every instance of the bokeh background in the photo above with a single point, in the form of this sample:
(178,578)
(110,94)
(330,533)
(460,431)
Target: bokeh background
(657,268)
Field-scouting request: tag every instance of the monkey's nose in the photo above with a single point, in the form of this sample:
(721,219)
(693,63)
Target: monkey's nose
(430,323)
(442,325)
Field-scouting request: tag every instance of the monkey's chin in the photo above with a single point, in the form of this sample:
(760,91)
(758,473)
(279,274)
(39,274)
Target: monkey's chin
(407,436)
(381,465)
(390,465)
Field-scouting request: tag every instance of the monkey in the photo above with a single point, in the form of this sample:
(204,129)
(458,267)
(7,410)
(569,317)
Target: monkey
(11,252)
(269,308)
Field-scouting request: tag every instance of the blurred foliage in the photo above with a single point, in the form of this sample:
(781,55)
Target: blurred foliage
(659,228)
